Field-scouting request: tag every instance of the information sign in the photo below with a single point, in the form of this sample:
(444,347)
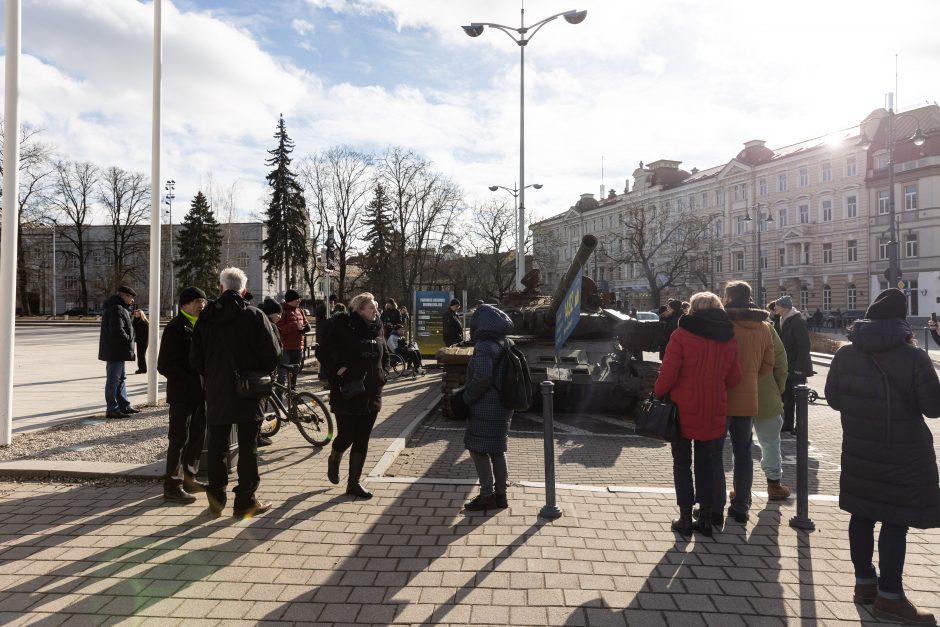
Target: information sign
(429,320)
(568,314)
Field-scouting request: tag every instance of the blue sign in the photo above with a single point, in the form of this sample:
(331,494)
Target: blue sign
(568,314)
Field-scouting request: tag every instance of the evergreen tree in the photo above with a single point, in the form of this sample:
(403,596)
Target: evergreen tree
(381,234)
(285,247)
(199,246)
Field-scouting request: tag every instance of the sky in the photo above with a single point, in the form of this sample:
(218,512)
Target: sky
(665,79)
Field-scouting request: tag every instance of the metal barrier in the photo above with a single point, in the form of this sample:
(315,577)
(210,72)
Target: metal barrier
(550,510)
(802,519)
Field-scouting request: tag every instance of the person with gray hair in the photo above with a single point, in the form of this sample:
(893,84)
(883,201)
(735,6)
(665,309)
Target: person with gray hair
(232,336)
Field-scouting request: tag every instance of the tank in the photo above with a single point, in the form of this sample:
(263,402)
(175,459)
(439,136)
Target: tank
(600,368)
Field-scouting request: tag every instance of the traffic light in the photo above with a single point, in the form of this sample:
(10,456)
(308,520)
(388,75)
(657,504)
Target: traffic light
(330,250)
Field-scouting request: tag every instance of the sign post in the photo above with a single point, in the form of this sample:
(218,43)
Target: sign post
(568,314)
(429,320)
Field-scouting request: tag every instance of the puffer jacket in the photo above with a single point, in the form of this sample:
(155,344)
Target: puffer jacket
(700,364)
(755,354)
(116,341)
(770,386)
(292,338)
(488,424)
(889,467)
(350,341)
(795,337)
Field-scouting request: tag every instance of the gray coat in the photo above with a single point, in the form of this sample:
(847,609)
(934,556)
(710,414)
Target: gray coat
(488,425)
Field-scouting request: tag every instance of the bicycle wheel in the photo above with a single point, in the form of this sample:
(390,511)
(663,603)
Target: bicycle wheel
(396,366)
(314,420)
(271,423)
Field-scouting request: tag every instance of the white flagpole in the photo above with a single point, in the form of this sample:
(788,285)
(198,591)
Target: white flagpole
(155,202)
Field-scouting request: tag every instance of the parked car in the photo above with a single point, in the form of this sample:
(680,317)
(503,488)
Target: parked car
(646,316)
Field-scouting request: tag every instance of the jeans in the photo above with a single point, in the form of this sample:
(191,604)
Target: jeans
(354,431)
(248,477)
(492,471)
(768,437)
(892,547)
(288,358)
(115,392)
(702,492)
(187,434)
(743,476)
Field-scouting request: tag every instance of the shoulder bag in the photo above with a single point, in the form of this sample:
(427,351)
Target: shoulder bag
(658,419)
(252,384)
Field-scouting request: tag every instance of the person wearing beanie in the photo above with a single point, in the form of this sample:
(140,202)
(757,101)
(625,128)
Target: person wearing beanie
(669,317)
(795,338)
(453,328)
(272,309)
(883,385)
(184,393)
(116,346)
(293,327)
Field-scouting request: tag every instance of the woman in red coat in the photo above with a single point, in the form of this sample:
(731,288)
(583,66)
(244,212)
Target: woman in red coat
(700,364)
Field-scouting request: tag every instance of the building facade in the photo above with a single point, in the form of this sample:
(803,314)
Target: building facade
(820,206)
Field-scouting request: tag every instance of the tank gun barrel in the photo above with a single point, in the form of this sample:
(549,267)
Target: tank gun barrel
(588,244)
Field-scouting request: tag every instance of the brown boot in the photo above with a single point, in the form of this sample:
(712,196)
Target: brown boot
(865,593)
(901,611)
(776,491)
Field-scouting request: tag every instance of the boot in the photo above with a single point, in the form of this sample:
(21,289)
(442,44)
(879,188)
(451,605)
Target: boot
(683,524)
(356,462)
(865,593)
(704,523)
(332,466)
(717,520)
(776,491)
(481,503)
(901,611)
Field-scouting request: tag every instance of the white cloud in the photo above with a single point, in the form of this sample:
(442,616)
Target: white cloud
(302,27)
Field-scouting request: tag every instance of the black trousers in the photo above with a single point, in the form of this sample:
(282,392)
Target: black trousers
(701,491)
(789,402)
(354,431)
(248,477)
(142,356)
(187,434)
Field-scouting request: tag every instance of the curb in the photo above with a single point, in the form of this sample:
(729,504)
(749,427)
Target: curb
(48,469)
(398,444)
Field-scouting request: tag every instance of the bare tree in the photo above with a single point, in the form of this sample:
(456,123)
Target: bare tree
(492,234)
(125,197)
(74,190)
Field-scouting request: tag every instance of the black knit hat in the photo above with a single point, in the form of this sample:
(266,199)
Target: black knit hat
(271,306)
(291,295)
(675,304)
(190,294)
(123,289)
(891,303)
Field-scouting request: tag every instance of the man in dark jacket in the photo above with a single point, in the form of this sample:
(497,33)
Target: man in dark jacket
(670,321)
(187,430)
(232,336)
(453,329)
(116,346)
(795,338)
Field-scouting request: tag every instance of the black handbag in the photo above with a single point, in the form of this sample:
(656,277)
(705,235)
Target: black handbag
(252,384)
(351,389)
(658,419)
(458,406)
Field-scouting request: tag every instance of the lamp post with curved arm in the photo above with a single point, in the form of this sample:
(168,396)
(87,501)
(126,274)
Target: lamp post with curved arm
(761,218)
(525,35)
(520,231)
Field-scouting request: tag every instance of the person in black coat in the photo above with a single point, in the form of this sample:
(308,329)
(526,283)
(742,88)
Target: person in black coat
(116,346)
(795,338)
(884,386)
(187,428)
(355,357)
(453,329)
(390,316)
(232,336)
(141,325)
(670,321)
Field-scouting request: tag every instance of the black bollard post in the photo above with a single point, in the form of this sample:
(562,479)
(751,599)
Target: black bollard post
(550,510)
(802,519)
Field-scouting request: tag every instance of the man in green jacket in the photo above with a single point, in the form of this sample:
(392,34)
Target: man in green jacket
(769,419)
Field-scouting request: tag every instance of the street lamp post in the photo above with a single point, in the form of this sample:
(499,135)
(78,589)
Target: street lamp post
(54,227)
(168,199)
(475,29)
(520,231)
(761,220)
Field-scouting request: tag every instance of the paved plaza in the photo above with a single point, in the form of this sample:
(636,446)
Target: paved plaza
(110,551)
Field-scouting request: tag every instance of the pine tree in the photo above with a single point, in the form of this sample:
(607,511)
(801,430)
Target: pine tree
(199,246)
(285,247)
(381,234)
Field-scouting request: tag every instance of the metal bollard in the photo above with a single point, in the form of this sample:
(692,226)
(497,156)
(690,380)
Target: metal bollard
(550,510)
(802,519)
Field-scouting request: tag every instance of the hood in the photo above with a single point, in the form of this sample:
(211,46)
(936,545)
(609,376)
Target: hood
(877,336)
(224,310)
(712,324)
(488,321)
(113,300)
(749,316)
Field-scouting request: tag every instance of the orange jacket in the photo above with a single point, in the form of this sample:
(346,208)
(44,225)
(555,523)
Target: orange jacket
(755,354)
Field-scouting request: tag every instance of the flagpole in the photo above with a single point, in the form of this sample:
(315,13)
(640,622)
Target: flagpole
(155,304)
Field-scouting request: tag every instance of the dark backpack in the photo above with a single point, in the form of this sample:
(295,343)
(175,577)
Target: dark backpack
(515,389)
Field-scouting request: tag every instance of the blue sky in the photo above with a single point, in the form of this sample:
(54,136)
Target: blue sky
(673,79)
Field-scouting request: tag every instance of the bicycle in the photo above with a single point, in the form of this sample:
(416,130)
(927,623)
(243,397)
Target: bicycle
(304,409)
(396,366)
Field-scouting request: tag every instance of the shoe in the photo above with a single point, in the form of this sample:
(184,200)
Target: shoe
(130,410)
(740,517)
(116,415)
(731,495)
(901,611)
(356,489)
(717,520)
(140,372)
(178,495)
(776,491)
(683,524)
(254,509)
(500,502)
(263,441)
(356,463)
(332,466)
(216,501)
(704,523)
(193,485)
(481,503)
(865,593)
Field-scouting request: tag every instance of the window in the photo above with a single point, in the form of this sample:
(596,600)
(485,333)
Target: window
(910,197)
(243,260)
(718,263)
(782,252)
(805,256)
(851,296)
(762,186)
(719,228)
(851,250)
(704,200)
(827,297)
(825,172)
(804,177)
(883,200)
(827,254)
(72,262)
(804,298)
(851,206)
(804,214)
(719,197)
(883,248)
(739,262)
(910,245)
(826,210)
(98,257)
(783,216)
(764,261)
(740,192)
(782,182)
(740,226)
(881,162)
(71,282)
(851,168)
